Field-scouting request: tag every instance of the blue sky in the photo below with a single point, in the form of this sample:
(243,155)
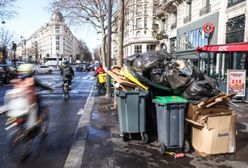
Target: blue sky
(32,14)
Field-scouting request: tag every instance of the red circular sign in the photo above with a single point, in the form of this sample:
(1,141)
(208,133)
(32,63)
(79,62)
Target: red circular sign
(208,28)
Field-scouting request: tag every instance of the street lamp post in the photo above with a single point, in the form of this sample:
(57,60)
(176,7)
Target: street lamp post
(14,49)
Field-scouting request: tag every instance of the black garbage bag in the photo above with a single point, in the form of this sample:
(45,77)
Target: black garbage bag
(201,89)
(130,59)
(146,61)
(151,83)
(157,75)
(154,59)
(179,74)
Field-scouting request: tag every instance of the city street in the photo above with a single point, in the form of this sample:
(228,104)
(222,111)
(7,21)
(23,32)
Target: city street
(63,119)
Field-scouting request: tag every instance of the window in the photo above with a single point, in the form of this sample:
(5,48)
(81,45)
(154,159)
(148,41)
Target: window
(57,47)
(191,39)
(235,29)
(138,23)
(57,29)
(206,8)
(188,12)
(174,20)
(138,49)
(139,10)
(233,2)
(150,47)
(173,45)
(145,9)
(145,22)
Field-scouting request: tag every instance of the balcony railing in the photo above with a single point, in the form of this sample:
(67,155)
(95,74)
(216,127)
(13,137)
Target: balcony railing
(173,25)
(187,19)
(205,10)
(233,2)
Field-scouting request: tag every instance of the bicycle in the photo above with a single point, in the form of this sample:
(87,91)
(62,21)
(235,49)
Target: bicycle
(25,123)
(66,90)
(21,139)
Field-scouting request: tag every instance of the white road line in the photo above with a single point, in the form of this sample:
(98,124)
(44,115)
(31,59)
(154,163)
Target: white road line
(75,156)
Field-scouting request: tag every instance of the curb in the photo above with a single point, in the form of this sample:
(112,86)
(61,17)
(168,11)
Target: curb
(76,154)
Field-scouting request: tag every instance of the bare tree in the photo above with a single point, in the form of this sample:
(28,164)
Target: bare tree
(93,12)
(6,38)
(97,54)
(85,52)
(7,9)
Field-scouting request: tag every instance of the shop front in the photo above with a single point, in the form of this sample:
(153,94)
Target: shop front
(223,59)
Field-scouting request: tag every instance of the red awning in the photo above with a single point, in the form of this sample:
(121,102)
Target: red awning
(232,47)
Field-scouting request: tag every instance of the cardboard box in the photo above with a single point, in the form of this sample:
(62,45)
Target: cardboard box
(195,113)
(217,136)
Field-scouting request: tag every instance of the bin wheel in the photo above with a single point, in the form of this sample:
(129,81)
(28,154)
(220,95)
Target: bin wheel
(162,149)
(125,137)
(144,138)
(186,146)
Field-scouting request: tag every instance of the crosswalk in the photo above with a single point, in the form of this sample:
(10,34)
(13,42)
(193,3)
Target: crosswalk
(77,89)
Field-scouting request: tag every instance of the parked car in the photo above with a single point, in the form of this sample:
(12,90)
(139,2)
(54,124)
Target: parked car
(91,67)
(43,69)
(80,67)
(7,73)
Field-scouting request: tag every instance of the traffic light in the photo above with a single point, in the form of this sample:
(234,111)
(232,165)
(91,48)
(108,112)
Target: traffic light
(14,46)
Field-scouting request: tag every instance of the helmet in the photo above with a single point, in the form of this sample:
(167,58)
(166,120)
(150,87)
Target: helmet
(25,69)
(66,62)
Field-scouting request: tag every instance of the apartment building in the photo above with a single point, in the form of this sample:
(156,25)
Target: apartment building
(183,21)
(141,26)
(54,39)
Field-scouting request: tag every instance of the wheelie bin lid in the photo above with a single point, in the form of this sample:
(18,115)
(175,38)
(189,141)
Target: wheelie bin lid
(161,100)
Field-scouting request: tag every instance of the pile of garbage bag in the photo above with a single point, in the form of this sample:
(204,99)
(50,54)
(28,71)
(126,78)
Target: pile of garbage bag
(160,70)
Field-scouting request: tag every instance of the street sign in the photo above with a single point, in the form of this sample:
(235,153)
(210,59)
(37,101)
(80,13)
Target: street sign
(208,28)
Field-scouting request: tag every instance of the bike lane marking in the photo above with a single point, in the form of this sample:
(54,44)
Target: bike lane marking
(76,154)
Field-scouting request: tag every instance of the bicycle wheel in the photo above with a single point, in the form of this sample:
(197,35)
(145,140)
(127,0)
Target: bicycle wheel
(66,92)
(44,125)
(19,147)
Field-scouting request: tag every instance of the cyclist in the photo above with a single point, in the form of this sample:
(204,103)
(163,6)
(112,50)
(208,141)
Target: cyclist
(100,83)
(99,70)
(67,72)
(29,83)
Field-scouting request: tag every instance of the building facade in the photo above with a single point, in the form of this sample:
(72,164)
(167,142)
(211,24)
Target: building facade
(183,21)
(141,27)
(54,39)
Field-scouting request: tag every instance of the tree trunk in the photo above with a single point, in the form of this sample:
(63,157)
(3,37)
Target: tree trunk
(120,33)
(120,40)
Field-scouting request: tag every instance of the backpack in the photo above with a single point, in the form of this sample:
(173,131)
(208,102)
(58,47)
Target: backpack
(67,72)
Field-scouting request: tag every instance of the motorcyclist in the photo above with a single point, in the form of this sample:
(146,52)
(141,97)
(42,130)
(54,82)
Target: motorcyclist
(67,72)
(29,83)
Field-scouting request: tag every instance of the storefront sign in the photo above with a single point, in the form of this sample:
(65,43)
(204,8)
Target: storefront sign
(159,36)
(236,82)
(208,28)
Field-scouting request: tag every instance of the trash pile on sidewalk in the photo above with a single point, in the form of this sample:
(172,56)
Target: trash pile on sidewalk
(186,92)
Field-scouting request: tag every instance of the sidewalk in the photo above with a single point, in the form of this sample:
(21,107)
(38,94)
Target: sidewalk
(104,147)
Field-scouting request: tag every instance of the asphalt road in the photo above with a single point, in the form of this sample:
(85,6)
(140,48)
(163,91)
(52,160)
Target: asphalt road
(63,120)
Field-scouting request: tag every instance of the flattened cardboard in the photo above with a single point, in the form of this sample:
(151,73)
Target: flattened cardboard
(220,133)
